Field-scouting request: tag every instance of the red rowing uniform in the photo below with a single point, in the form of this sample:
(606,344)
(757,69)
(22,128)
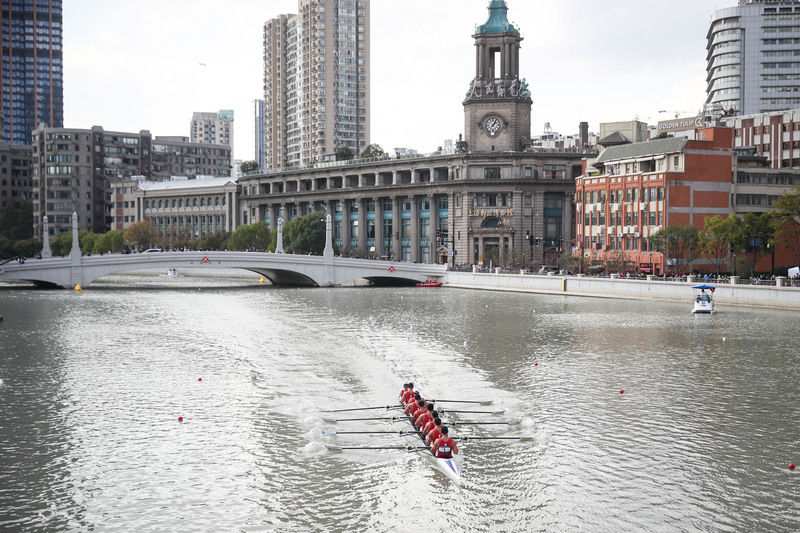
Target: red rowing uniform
(423,419)
(407,395)
(444,448)
(434,435)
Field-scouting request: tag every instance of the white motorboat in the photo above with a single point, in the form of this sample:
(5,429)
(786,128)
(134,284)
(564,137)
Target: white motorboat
(704,299)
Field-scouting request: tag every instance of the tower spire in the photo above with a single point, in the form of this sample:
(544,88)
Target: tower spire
(498,19)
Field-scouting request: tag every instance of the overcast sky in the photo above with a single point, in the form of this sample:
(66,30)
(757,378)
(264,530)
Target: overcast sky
(136,64)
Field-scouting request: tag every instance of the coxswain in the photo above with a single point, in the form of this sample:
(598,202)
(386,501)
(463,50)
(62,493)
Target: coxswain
(423,417)
(434,432)
(444,447)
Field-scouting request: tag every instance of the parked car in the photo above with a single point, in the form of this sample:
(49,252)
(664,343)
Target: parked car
(153,251)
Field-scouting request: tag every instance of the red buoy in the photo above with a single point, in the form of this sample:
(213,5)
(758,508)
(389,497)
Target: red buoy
(622,391)
(180,419)
(535,364)
(199,379)
(791,466)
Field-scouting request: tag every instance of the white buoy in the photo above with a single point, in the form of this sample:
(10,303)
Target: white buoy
(723,339)
(465,343)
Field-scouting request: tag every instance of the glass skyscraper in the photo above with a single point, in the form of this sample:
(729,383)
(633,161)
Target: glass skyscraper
(31,67)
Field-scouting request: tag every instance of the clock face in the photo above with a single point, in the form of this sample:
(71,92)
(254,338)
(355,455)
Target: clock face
(492,125)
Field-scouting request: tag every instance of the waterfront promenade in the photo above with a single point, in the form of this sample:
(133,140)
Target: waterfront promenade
(730,293)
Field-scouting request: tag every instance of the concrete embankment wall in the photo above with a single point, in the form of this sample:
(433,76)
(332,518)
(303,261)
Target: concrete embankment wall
(676,291)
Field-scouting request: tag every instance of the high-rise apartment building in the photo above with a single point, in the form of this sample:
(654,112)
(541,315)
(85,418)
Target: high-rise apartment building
(31,67)
(258,132)
(753,60)
(75,170)
(316,82)
(212,128)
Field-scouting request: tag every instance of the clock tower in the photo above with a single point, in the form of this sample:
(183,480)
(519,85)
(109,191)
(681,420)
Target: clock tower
(497,107)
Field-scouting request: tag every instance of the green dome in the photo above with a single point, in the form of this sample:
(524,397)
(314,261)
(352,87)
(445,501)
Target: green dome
(498,19)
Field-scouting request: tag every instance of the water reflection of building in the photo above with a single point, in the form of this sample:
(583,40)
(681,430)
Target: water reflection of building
(484,199)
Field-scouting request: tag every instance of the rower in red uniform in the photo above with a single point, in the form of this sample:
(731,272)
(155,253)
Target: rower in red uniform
(411,406)
(423,417)
(434,432)
(404,391)
(408,394)
(444,447)
(430,424)
(416,409)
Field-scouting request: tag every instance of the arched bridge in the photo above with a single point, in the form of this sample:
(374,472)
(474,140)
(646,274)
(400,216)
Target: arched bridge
(281,269)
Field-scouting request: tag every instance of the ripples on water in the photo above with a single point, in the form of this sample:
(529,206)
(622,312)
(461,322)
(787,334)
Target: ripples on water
(93,385)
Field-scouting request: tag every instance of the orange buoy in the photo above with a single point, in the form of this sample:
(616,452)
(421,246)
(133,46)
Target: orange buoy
(180,419)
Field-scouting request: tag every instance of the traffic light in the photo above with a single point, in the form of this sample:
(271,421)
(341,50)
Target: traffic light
(438,236)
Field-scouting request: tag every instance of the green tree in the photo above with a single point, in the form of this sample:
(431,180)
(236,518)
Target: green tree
(752,235)
(717,238)
(305,235)
(256,236)
(86,240)
(248,166)
(615,262)
(344,153)
(679,244)
(16,221)
(787,214)
(61,244)
(141,235)
(373,150)
(28,247)
(214,241)
(109,242)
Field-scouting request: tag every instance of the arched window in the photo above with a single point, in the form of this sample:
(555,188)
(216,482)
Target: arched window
(173,203)
(202,202)
(491,222)
(147,204)
(160,204)
(216,201)
(180,202)
(194,204)
(208,202)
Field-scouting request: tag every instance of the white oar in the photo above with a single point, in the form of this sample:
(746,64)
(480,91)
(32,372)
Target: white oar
(331,432)
(454,423)
(481,402)
(367,408)
(409,448)
(523,439)
(373,418)
(472,412)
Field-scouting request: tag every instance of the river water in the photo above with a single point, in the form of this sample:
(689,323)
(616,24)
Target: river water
(93,384)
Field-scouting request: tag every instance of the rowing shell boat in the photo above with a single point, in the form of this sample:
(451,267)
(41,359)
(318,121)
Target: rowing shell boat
(448,466)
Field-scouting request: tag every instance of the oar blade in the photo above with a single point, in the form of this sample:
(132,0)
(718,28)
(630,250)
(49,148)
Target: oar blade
(387,407)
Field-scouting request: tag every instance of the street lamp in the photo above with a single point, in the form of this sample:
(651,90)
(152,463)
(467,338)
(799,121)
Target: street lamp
(652,270)
(734,263)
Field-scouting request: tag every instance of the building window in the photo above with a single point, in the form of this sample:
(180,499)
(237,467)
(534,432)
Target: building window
(527,200)
(491,173)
